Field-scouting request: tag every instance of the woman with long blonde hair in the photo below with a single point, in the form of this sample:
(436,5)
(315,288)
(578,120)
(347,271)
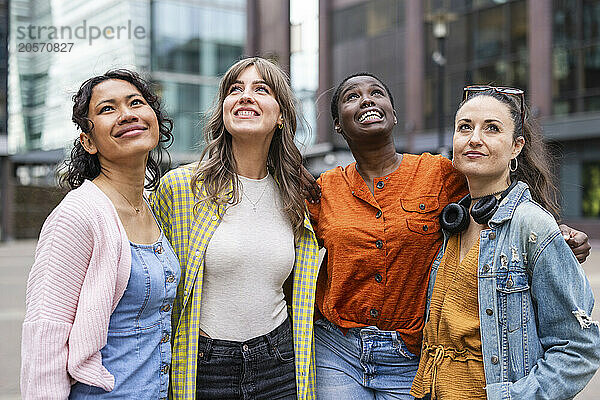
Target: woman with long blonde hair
(237,222)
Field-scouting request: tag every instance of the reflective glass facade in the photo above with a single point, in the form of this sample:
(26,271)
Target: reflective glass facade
(193,44)
(184,46)
(3,68)
(576,56)
(304,66)
(368,36)
(55,46)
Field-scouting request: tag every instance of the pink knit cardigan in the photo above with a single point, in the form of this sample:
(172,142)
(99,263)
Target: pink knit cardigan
(81,269)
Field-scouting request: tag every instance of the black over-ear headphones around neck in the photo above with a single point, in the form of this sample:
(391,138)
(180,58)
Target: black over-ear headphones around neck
(455,216)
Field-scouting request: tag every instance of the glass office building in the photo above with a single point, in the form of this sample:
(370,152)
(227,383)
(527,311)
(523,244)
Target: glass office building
(54,47)
(304,66)
(3,71)
(193,44)
(551,49)
(182,46)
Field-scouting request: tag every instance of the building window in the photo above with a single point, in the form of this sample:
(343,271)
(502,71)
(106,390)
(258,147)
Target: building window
(189,54)
(576,56)
(487,44)
(370,19)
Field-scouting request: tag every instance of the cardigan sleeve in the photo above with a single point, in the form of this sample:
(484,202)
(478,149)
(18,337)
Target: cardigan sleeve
(61,259)
(76,280)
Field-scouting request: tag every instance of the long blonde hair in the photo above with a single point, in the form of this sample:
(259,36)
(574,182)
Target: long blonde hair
(215,179)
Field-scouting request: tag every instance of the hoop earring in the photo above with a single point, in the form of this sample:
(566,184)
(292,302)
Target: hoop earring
(510,164)
(280,126)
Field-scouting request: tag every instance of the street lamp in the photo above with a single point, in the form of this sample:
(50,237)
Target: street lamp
(439,23)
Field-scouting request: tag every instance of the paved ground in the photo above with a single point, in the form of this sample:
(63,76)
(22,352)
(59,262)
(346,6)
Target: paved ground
(16,259)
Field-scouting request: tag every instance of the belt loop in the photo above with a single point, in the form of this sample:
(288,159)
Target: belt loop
(208,350)
(270,345)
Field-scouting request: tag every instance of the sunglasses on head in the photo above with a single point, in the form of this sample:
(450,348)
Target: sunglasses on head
(519,93)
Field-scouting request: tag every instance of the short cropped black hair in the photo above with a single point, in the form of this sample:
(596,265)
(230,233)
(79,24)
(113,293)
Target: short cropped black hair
(336,95)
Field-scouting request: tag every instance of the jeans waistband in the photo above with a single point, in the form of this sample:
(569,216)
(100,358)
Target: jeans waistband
(362,332)
(374,332)
(277,335)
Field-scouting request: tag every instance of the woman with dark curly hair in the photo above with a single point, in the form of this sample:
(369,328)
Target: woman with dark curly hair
(100,291)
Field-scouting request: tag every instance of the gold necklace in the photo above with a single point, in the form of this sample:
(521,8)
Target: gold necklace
(137,209)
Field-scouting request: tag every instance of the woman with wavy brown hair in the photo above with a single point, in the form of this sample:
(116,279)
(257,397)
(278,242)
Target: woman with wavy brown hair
(238,224)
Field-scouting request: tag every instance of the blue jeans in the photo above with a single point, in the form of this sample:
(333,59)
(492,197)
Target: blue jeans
(260,368)
(366,363)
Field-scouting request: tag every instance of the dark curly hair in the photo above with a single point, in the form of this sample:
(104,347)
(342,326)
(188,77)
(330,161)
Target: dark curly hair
(336,95)
(82,165)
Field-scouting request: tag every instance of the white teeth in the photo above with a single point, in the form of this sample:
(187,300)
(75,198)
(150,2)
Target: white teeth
(246,113)
(370,116)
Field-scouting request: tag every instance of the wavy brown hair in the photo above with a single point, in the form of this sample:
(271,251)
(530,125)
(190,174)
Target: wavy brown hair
(535,158)
(215,178)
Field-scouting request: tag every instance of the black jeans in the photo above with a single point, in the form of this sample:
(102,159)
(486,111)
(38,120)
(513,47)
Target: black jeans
(260,368)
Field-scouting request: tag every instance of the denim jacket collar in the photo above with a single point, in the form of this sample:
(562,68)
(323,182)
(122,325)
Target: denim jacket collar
(508,205)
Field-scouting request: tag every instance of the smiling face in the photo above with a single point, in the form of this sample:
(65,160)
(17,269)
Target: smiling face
(483,139)
(250,109)
(123,124)
(364,108)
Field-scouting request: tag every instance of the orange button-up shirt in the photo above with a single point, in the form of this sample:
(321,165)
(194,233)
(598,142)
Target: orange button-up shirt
(380,245)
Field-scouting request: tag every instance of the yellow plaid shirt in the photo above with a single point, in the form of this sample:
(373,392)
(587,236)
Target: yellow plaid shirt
(189,234)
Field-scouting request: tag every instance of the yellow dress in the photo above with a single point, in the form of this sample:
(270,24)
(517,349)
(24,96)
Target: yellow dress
(451,365)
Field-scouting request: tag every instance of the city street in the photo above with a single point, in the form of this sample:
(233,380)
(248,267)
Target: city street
(16,259)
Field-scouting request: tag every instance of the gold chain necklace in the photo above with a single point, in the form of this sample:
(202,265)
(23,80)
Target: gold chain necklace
(137,209)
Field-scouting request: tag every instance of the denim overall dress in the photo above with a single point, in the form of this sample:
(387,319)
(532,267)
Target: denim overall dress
(138,348)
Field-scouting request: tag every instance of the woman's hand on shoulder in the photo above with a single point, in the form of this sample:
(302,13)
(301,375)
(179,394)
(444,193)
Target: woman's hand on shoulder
(578,242)
(310,188)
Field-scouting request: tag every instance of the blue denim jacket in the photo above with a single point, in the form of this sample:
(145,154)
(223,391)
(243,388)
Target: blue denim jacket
(538,340)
